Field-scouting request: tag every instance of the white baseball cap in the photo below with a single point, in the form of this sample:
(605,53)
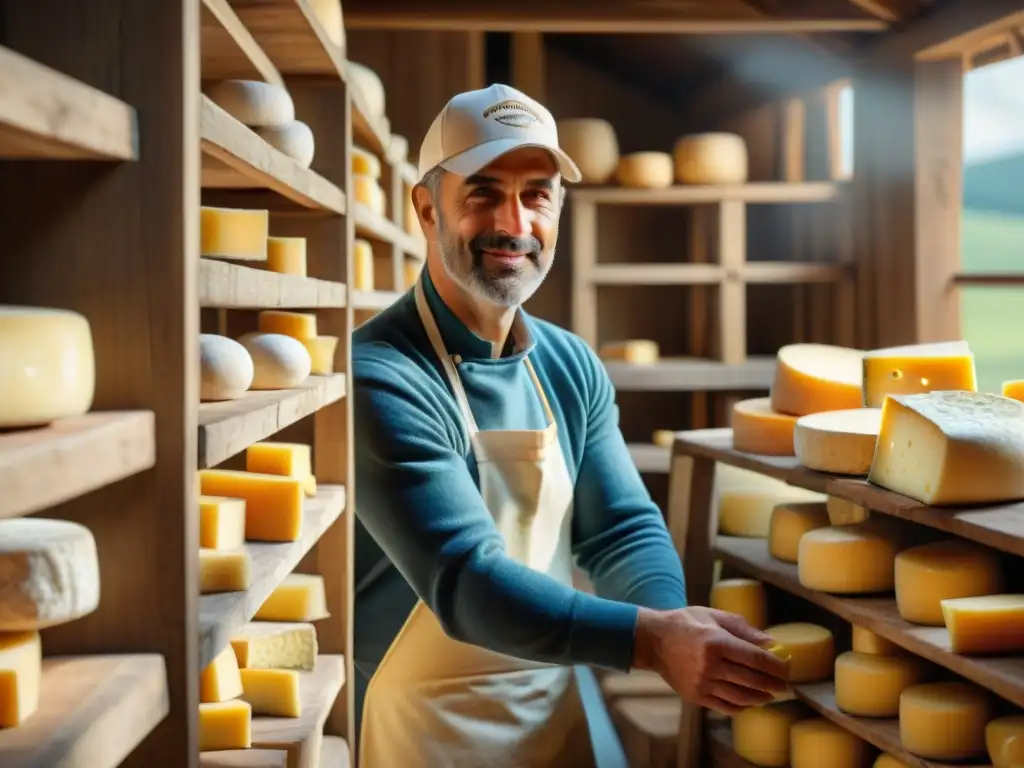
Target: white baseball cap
(477,127)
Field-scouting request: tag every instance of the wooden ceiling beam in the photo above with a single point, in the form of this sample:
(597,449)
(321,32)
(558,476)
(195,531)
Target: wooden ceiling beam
(890,11)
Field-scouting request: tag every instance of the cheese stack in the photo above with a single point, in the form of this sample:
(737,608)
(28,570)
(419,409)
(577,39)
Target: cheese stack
(224,562)
(273,502)
(225,720)
(366,186)
(870,679)
(302,327)
(746,500)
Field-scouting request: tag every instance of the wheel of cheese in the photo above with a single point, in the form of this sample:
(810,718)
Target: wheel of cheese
(225,368)
(279,361)
(328,13)
(791,521)
(294,139)
(839,442)
(663,438)
(844,512)
(49,573)
(811,650)
(593,145)
(760,735)
(645,170)
(817,742)
(756,428)
(810,378)
(943,570)
(866,641)
(253,103)
(369,84)
(945,721)
(1004,739)
(847,559)
(711,158)
(746,500)
(744,597)
(47,367)
(868,685)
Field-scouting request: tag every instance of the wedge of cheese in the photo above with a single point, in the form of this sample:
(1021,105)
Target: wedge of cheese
(916,369)
(276,645)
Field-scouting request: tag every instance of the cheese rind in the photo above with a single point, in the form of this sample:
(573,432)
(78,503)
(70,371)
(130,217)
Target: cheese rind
(945,721)
(747,500)
(592,144)
(220,680)
(987,624)
(756,428)
(810,378)
(866,641)
(791,521)
(630,351)
(930,573)
(744,597)
(275,645)
(300,597)
(760,735)
(273,692)
(321,354)
(294,139)
(917,368)
(287,255)
(49,573)
(839,442)
(949,448)
(273,503)
(847,559)
(239,234)
(868,685)
(253,103)
(298,325)
(224,570)
(221,522)
(225,725)
(21,669)
(811,650)
(1004,741)
(813,739)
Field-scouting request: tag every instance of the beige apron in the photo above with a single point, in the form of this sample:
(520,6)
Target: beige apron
(435,702)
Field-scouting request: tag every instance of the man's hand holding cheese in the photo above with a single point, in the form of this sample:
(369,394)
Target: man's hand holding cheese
(488,460)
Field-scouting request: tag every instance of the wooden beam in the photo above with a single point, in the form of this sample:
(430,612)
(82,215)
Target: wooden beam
(890,11)
(528,64)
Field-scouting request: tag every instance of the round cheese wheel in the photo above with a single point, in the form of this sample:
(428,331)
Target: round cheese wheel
(711,158)
(760,735)
(756,428)
(279,361)
(47,367)
(369,84)
(888,761)
(810,378)
(225,368)
(746,500)
(943,570)
(744,597)
(866,641)
(811,650)
(645,170)
(817,742)
(663,438)
(49,573)
(791,521)
(945,721)
(593,145)
(847,559)
(253,103)
(840,442)
(328,13)
(1004,738)
(870,686)
(294,139)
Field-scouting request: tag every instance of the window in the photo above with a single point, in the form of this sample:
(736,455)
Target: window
(844,119)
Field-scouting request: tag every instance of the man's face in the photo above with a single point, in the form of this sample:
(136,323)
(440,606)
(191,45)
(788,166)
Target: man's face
(496,230)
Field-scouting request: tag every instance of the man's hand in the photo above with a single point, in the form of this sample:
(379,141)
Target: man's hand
(711,658)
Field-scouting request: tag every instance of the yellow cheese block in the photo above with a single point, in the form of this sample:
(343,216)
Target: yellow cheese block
(365,163)
(917,368)
(848,559)
(645,170)
(945,721)
(888,761)
(843,512)
(287,255)
(224,570)
(791,521)
(744,597)
(817,742)
(221,522)
(840,442)
(21,669)
(1004,740)
(233,233)
(760,735)
(273,504)
(368,191)
(810,378)
(225,725)
(321,352)
(276,645)
(220,680)
(988,624)
(944,448)
(746,501)
(928,574)
(866,641)
(630,351)
(663,438)
(756,428)
(294,460)
(413,268)
(299,597)
(298,325)
(362,265)
(273,692)
(811,650)
(869,685)
(1014,389)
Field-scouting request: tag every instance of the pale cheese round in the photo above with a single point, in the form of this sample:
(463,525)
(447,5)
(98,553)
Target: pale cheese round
(253,103)
(711,158)
(663,438)
(49,573)
(945,721)
(810,378)
(840,442)
(760,735)
(369,84)
(279,361)
(294,139)
(756,428)
(225,368)
(592,144)
(866,641)
(645,170)
(811,650)
(47,366)
(1004,739)
(328,13)
(744,597)
(944,570)
(817,742)
(868,685)
(789,522)
(746,500)
(847,559)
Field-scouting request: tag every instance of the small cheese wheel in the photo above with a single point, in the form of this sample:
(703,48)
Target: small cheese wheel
(868,685)
(287,255)
(843,512)
(365,163)
(817,742)
(888,761)
(279,361)
(945,721)
(225,368)
(369,85)
(760,735)
(943,570)
(1004,740)
(298,325)
(362,265)
(791,521)
(369,192)
(866,641)
(811,378)
(840,442)
(49,573)
(645,170)
(747,500)
(987,624)
(847,559)
(630,351)
(592,144)
(253,103)
(328,13)
(47,366)
(711,158)
(294,139)
(1014,389)
(744,597)
(811,650)
(321,352)
(663,438)
(756,428)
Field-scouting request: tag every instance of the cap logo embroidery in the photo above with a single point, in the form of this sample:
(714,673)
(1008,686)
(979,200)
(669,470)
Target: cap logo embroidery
(512,113)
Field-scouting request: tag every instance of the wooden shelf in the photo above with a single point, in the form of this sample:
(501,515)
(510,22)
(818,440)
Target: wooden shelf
(693,374)
(998,526)
(221,615)
(231,426)
(244,758)
(40,468)
(47,115)
(234,157)
(228,49)
(335,753)
(650,458)
(751,273)
(1003,676)
(233,286)
(374,300)
(94,710)
(373,226)
(755,192)
(291,36)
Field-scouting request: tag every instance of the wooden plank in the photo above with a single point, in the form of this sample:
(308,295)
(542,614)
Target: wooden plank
(244,758)
(46,114)
(335,753)
(292,37)
(766,192)
(782,273)
(649,458)
(221,615)
(630,273)
(233,286)
(93,711)
(231,426)
(372,226)
(228,49)
(40,468)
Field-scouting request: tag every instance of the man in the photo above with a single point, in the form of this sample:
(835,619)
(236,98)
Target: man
(488,460)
